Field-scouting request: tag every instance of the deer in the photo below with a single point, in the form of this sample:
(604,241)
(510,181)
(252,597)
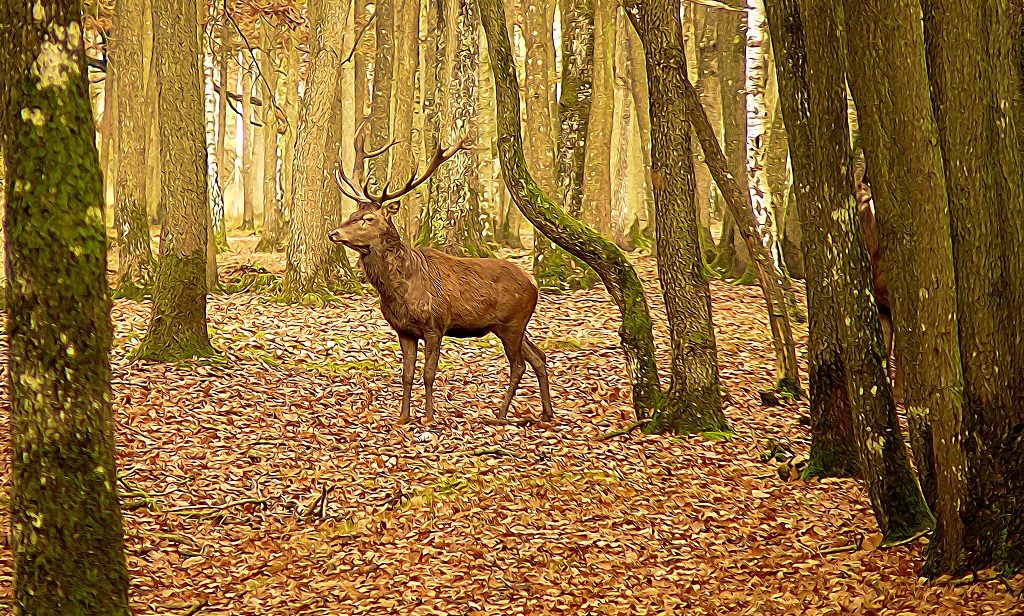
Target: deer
(426,294)
(866,214)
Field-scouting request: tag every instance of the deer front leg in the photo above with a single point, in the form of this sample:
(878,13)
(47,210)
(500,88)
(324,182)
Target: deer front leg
(409,346)
(431,352)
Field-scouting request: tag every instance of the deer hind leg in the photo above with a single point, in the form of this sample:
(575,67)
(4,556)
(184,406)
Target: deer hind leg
(540,367)
(431,352)
(513,343)
(409,346)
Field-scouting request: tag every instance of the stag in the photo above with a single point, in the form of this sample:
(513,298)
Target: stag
(426,294)
(866,214)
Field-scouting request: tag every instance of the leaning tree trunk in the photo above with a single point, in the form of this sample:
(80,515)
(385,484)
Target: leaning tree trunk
(895,495)
(453,219)
(135,264)
(66,534)
(380,104)
(554,269)
(586,244)
(309,254)
(901,146)
(695,401)
(177,327)
(833,448)
(974,78)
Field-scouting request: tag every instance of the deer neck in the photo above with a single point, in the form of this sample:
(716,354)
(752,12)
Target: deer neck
(392,268)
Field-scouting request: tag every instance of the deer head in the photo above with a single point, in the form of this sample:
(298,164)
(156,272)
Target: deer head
(371,222)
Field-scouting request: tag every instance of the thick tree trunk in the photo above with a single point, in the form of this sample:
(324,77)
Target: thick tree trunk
(895,495)
(383,79)
(177,328)
(554,269)
(695,401)
(608,261)
(453,219)
(309,254)
(974,76)
(135,264)
(66,528)
(833,448)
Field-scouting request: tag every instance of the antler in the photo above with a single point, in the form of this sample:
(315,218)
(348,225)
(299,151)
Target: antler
(358,190)
(440,156)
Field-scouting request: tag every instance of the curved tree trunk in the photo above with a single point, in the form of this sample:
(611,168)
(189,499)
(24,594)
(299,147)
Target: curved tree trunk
(695,401)
(309,254)
(177,328)
(135,264)
(66,535)
(586,244)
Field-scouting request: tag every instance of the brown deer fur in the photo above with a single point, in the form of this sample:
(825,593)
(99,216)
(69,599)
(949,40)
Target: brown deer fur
(426,294)
(866,214)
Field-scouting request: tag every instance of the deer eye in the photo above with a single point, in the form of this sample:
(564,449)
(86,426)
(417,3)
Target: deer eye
(370,218)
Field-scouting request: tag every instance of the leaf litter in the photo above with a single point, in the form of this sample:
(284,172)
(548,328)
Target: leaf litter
(273,480)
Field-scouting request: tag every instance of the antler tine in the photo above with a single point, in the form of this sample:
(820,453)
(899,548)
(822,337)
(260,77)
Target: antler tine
(441,155)
(345,185)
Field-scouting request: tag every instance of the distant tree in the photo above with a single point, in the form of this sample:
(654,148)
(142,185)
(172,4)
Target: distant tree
(383,80)
(135,263)
(273,232)
(177,327)
(66,528)
(310,255)
(407,77)
(597,189)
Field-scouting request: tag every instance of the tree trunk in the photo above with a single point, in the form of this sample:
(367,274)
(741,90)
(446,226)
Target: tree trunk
(309,251)
(833,448)
(155,205)
(709,89)
(597,190)
(407,49)
(292,72)
(971,59)
(177,327)
(695,402)
(733,260)
(608,261)
(641,102)
(895,495)
(108,139)
(552,268)
(135,264)
(225,161)
(538,21)
(66,528)
(273,232)
(453,220)
(380,105)
(250,136)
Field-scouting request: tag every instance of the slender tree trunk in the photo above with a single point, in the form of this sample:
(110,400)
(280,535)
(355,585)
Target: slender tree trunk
(641,102)
(833,448)
(155,204)
(249,136)
(273,232)
(695,403)
(288,146)
(895,495)
(361,60)
(608,261)
(407,19)
(733,260)
(135,264)
(177,327)
(383,78)
(108,140)
(540,141)
(309,251)
(552,268)
(225,161)
(597,197)
(708,86)
(66,528)
(974,76)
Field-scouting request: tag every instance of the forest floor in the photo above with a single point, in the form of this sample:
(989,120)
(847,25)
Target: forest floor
(273,480)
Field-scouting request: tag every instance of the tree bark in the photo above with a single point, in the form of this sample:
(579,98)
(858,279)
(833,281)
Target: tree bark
(225,161)
(538,22)
(308,263)
(250,136)
(695,402)
(135,264)
(833,448)
(273,232)
(597,190)
(406,69)
(895,495)
(383,79)
(974,76)
(66,527)
(177,327)
(586,244)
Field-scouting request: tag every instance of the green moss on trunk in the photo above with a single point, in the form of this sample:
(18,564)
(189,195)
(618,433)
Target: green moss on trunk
(177,329)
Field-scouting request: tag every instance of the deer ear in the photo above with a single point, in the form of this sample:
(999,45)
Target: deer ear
(391,208)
